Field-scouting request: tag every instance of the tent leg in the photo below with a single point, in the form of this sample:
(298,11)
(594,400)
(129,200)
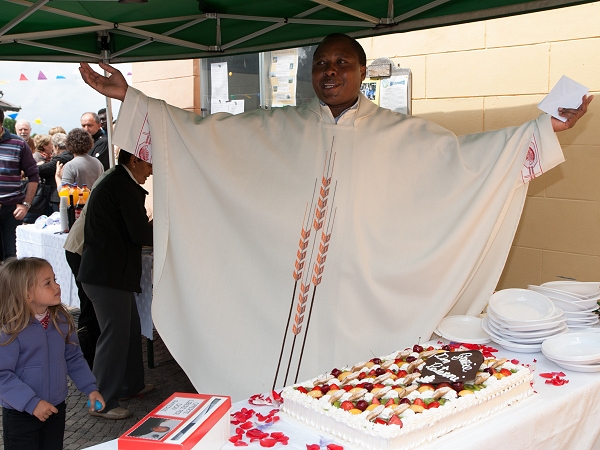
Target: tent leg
(109,129)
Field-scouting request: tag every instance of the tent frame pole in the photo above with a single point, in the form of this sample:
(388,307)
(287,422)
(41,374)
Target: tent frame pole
(21,17)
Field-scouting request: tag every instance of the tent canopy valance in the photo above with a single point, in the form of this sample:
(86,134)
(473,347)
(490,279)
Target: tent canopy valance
(128,31)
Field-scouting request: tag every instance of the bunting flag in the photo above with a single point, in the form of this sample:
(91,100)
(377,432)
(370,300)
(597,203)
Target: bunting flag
(41,76)
(128,74)
(13,116)
(4,81)
(61,77)
(38,121)
(23,78)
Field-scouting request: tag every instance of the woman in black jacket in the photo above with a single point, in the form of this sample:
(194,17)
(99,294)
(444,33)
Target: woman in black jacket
(46,199)
(48,170)
(116,227)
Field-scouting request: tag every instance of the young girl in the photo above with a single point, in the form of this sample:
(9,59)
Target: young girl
(38,348)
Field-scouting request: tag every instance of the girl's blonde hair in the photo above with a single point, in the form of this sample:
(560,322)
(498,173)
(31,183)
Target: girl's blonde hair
(17,278)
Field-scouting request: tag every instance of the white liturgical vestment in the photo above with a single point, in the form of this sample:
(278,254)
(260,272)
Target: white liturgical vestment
(365,233)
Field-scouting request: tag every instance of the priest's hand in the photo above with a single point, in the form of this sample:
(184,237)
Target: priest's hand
(572,115)
(113,86)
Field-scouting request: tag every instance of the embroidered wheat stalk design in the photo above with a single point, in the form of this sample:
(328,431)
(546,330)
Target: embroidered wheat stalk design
(318,268)
(298,269)
(302,272)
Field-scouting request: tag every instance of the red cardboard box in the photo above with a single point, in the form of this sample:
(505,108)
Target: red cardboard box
(183,421)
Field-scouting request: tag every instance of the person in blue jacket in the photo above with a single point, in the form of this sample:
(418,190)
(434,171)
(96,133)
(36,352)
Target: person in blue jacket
(38,349)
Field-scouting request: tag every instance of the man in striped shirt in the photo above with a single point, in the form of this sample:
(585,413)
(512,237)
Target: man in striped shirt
(15,159)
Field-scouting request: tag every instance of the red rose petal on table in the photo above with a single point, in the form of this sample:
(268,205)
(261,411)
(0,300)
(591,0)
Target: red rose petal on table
(255,433)
(335,447)
(239,431)
(268,442)
(241,416)
(313,447)
(235,438)
(276,396)
(277,434)
(246,425)
(553,374)
(240,444)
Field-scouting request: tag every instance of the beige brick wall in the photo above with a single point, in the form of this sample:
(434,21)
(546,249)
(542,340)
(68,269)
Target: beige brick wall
(492,74)
(177,83)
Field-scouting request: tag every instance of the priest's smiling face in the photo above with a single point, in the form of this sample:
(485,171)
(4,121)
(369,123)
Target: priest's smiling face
(337,73)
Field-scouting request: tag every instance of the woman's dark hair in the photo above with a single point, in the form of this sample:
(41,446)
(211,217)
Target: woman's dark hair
(124,157)
(79,141)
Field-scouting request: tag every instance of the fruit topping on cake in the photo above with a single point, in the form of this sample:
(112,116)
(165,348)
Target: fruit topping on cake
(385,390)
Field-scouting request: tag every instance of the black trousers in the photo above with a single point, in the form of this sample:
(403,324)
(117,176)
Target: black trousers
(8,232)
(88,329)
(119,363)
(23,431)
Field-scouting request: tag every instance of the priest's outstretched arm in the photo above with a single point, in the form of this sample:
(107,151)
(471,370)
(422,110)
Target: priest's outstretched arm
(115,86)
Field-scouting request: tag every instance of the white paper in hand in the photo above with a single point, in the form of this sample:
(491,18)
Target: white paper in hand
(566,93)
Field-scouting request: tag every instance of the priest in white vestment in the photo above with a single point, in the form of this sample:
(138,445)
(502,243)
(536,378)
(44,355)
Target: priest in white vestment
(352,229)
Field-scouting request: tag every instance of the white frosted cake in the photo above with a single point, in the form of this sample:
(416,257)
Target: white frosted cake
(387,403)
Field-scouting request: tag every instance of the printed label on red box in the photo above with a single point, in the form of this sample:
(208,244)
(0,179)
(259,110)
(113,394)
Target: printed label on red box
(180,407)
(183,421)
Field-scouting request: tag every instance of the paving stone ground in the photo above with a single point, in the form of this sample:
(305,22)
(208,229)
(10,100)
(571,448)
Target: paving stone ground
(83,430)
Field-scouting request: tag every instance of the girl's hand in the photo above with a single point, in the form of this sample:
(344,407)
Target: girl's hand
(43,410)
(96,396)
(59,169)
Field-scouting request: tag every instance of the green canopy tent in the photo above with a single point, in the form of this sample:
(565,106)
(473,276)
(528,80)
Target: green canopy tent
(144,30)
(117,31)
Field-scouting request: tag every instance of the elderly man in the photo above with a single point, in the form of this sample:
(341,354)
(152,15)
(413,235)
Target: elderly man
(23,129)
(376,224)
(90,122)
(15,158)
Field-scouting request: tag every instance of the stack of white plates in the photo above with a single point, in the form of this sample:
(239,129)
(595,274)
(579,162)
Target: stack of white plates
(577,299)
(465,329)
(574,351)
(520,320)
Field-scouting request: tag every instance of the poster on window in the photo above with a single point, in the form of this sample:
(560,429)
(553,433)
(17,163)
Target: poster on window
(283,76)
(219,81)
(393,93)
(370,88)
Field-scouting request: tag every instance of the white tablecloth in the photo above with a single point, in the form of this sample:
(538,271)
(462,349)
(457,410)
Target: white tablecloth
(48,243)
(556,417)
